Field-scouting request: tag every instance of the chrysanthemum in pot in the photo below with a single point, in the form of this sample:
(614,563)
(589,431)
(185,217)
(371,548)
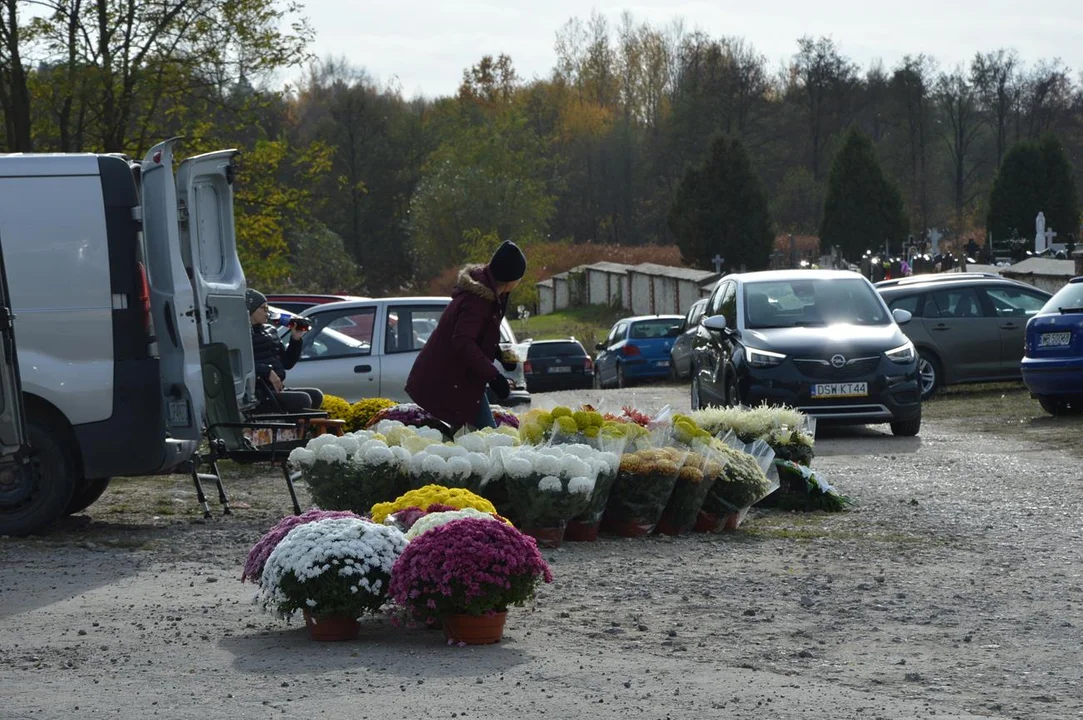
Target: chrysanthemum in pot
(332,570)
(466,574)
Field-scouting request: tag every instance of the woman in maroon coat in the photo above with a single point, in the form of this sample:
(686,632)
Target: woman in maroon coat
(450,374)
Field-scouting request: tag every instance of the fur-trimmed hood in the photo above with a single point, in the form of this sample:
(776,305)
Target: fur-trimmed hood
(472,280)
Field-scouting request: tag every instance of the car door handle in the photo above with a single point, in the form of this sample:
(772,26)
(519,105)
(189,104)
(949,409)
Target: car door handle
(941,326)
(362,368)
(1009,326)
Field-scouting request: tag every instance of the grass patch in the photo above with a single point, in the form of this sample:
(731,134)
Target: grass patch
(589,324)
(1005,410)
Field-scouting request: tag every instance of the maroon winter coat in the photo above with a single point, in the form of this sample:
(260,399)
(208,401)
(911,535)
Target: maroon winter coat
(450,374)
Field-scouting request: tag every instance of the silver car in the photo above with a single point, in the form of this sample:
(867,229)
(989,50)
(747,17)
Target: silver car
(680,355)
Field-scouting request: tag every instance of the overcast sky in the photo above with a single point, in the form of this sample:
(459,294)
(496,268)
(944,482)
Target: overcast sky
(424,45)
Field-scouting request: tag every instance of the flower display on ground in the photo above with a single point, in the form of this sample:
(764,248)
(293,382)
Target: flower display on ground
(813,491)
(468,566)
(352,472)
(424,497)
(257,556)
(788,431)
(335,407)
(335,566)
(408,414)
(642,489)
(742,484)
(702,468)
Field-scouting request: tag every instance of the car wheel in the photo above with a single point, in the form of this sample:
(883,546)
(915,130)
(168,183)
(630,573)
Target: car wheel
(906,428)
(621,382)
(733,398)
(694,399)
(929,374)
(30,502)
(1057,405)
(86,494)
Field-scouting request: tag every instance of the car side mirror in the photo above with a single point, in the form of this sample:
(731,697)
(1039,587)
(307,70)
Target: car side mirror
(675,331)
(599,346)
(716,323)
(901,316)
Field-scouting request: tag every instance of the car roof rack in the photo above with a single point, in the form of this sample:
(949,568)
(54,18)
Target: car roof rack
(936,277)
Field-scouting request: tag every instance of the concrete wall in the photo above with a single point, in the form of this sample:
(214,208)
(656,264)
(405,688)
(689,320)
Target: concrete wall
(545,300)
(1049,283)
(607,288)
(560,287)
(641,294)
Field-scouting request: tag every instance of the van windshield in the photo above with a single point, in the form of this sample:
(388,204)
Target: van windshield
(813,302)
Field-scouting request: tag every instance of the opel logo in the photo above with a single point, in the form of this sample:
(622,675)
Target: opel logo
(838,361)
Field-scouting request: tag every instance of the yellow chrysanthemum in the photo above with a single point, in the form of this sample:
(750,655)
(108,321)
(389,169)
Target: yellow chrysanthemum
(423,497)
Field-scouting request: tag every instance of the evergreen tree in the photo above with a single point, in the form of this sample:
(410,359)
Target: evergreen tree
(1034,177)
(862,208)
(721,209)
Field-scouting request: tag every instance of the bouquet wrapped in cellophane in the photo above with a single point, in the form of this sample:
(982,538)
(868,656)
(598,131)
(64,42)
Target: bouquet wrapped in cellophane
(643,486)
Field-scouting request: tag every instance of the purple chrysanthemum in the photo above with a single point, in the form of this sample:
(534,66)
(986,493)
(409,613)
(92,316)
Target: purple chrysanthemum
(257,556)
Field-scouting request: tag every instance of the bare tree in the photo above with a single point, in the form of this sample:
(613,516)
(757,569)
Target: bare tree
(995,77)
(1045,98)
(911,86)
(822,79)
(14,92)
(957,101)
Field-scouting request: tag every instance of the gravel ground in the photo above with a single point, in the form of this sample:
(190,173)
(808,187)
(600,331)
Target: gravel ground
(953,590)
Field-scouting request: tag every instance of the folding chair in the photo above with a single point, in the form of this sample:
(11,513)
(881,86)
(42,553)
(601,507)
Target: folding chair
(227,439)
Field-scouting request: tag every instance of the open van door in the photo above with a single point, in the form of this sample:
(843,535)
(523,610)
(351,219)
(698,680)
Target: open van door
(209,246)
(23,504)
(173,306)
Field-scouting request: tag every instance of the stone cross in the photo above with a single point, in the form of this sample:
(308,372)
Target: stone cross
(1049,235)
(718,260)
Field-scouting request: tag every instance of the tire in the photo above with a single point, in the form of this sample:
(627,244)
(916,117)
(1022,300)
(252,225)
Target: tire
(906,428)
(85,495)
(930,374)
(1057,405)
(29,505)
(733,395)
(621,382)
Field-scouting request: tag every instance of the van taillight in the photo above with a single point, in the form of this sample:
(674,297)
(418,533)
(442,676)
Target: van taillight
(588,364)
(144,300)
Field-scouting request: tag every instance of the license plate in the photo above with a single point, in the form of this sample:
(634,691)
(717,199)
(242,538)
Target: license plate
(662,363)
(1055,339)
(178,413)
(840,390)
(560,369)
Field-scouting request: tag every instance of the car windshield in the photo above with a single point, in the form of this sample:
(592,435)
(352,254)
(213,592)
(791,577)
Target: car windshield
(1068,299)
(557,349)
(815,302)
(647,329)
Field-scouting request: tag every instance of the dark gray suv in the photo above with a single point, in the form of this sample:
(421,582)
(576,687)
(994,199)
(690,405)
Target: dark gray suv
(966,327)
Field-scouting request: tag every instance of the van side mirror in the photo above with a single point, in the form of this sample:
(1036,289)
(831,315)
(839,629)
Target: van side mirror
(901,316)
(716,323)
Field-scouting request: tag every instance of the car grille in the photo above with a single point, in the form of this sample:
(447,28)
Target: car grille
(818,369)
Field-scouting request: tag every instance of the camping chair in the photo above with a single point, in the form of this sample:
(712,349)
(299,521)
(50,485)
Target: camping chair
(246,437)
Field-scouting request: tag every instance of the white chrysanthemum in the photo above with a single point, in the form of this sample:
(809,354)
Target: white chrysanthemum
(611,459)
(348,443)
(302,456)
(458,468)
(401,454)
(362,435)
(430,433)
(584,485)
(518,466)
(580,450)
(510,432)
(385,426)
(416,443)
(366,445)
(479,463)
(320,440)
(572,466)
(433,464)
(550,483)
(498,439)
(440,450)
(455,451)
(549,464)
(331,453)
(473,442)
(436,519)
(378,454)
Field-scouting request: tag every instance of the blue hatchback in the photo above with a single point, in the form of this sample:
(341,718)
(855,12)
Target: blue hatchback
(1053,355)
(637,349)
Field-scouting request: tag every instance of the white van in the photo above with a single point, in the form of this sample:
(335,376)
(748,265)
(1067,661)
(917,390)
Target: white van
(118,272)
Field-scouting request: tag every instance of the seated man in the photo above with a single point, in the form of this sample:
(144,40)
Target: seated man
(272,360)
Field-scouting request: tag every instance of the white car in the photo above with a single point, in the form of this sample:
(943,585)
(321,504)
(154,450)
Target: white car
(366,348)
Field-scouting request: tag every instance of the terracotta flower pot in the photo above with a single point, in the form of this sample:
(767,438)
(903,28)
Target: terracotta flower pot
(549,537)
(331,628)
(581,532)
(668,526)
(707,522)
(475,629)
(627,528)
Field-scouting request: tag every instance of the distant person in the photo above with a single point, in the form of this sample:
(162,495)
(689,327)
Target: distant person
(273,360)
(455,365)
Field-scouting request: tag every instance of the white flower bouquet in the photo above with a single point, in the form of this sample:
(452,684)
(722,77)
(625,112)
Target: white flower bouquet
(547,486)
(338,566)
(353,472)
(449,465)
(789,432)
(604,454)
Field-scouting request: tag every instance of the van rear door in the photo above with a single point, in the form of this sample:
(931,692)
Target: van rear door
(15,469)
(173,306)
(209,246)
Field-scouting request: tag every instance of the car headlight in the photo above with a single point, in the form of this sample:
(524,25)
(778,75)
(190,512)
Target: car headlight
(902,354)
(764,358)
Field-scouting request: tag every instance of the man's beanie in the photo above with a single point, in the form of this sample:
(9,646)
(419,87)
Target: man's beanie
(254,299)
(508,263)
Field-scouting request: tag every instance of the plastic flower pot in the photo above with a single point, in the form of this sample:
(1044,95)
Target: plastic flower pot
(331,628)
(578,531)
(546,537)
(475,629)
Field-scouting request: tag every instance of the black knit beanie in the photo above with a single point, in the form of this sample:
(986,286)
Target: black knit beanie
(508,263)
(253,300)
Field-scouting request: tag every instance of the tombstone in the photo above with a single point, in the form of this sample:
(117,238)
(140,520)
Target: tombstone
(934,241)
(718,260)
(1040,241)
